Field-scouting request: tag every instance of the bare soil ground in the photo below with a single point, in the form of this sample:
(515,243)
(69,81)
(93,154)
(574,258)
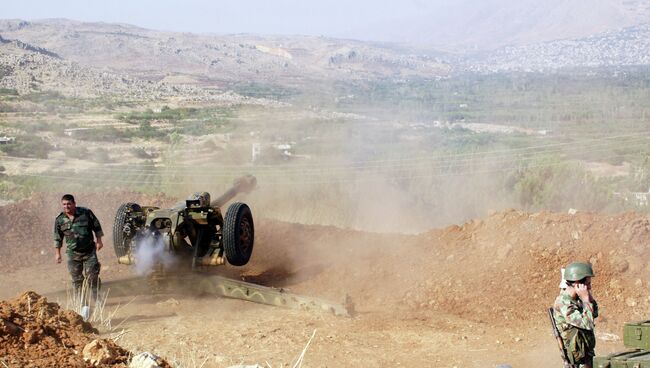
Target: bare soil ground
(464,296)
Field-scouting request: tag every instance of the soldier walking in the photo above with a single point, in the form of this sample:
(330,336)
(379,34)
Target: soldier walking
(76,225)
(575,310)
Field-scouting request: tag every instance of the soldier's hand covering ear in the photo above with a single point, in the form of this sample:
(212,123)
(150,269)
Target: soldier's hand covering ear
(582,291)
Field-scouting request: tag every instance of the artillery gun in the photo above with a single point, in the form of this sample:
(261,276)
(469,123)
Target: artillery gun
(194,228)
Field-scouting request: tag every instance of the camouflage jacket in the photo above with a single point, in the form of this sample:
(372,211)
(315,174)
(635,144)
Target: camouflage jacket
(575,321)
(78,232)
(572,312)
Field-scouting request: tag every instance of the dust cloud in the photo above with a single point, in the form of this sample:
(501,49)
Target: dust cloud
(150,252)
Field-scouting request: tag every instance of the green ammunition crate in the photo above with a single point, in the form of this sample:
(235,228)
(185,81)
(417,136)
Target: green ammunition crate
(626,359)
(636,335)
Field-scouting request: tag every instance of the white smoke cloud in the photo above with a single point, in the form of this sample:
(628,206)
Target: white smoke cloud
(149,252)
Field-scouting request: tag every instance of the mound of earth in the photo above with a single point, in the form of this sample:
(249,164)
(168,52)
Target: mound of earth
(498,270)
(37,333)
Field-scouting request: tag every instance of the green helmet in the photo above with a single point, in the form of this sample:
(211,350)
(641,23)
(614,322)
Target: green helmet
(578,271)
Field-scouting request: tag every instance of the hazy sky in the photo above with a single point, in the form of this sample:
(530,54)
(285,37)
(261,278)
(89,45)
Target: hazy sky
(330,18)
(470,24)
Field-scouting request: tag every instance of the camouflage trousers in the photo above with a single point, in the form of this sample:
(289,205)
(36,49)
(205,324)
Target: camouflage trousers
(580,346)
(84,267)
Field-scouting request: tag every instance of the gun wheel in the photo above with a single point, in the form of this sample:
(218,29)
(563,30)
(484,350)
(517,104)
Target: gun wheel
(120,241)
(238,234)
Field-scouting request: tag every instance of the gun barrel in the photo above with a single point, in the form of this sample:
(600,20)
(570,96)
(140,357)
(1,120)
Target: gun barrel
(244,184)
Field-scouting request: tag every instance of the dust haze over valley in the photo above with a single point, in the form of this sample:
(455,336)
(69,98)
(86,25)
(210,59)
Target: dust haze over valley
(395,148)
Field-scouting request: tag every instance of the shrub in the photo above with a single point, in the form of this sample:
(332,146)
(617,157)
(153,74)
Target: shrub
(27,146)
(140,152)
(77,151)
(101,155)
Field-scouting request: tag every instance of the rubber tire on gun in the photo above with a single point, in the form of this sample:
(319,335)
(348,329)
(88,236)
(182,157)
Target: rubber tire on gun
(119,240)
(238,234)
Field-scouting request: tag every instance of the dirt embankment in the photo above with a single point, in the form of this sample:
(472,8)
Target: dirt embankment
(503,269)
(500,270)
(37,333)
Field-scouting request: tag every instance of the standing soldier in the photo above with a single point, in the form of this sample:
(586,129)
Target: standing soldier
(76,225)
(575,311)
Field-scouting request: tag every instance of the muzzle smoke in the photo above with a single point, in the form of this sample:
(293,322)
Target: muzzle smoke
(150,251)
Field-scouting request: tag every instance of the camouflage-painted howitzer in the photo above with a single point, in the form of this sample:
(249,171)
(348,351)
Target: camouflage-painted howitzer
(194,228)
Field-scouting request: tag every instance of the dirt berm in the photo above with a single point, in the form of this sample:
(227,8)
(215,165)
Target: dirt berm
(496,275)
(37,333)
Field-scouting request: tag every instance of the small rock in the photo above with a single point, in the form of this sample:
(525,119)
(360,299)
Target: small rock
(98,352)
(146,360)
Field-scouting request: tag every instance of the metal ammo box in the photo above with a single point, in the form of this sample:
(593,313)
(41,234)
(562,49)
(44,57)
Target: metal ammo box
(625,359)
(636,335)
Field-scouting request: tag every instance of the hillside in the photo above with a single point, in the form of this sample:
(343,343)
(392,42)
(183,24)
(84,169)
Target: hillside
(212,60)
(27,69)
(625,47)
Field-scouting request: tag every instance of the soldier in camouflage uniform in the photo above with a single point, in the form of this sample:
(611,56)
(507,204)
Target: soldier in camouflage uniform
(575,311)
(76,226)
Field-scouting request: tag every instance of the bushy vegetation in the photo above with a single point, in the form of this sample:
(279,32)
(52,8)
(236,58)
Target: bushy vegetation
(27,146)
(258,90)
(112,134)
(397,124)
(554,184)
(76,151)
(8,92)
(141,153)
(531,100)
(177,115)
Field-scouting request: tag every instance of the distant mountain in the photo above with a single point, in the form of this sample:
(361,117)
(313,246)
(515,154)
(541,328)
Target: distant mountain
(212,59)
(28,47)
(626,47)
(466,25)
(27,69)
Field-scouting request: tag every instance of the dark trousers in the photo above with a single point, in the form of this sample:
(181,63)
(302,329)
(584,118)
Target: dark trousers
(84,266)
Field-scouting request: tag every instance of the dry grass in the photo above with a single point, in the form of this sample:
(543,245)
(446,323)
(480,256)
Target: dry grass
(301,357)
(99,316)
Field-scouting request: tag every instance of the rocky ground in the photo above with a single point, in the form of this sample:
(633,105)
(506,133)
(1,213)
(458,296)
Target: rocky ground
(470,295)
(38,333)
